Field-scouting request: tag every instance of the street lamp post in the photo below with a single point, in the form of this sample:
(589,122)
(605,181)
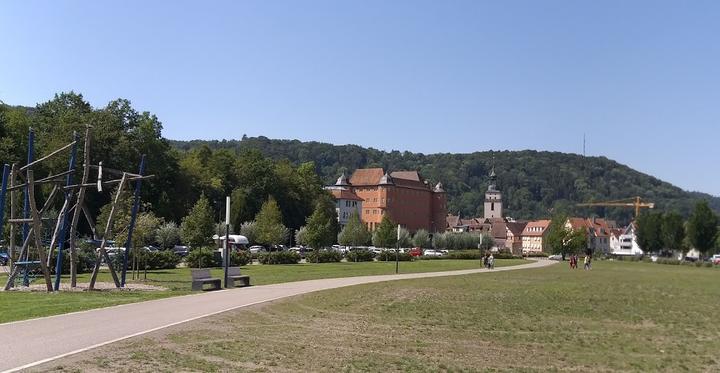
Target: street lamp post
(397,251)
(226,253)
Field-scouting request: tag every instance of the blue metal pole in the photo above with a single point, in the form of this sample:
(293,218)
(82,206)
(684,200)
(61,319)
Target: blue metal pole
(3,192)
(133,217)
(26,206)
(64,227)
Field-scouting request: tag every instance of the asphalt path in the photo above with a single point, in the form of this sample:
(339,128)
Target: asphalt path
(37,341)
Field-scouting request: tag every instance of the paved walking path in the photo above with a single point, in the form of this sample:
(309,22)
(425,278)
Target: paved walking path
(33,342)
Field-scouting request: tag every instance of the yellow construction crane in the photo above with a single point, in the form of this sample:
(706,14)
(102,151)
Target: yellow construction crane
(636,202)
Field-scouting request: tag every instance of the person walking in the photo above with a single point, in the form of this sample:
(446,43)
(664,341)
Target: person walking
(587,262)
(491,262)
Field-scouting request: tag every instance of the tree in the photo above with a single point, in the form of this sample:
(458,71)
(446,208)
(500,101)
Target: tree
(321,228)
(197,227)
(673,231)
(300,235)
(249,230)
(487,242)
(167,235)
(421,239)
(269,226)
(702,228)
(220,229)
(405,238)
(649,232)
(386,234)
(564,241)
(354,233)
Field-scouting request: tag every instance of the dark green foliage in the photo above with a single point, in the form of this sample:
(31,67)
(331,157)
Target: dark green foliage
(360,256)
(649,231)
(86,261)
(564,241)
(279,257)
(389,256)
(321,229)
(203,258)
(457,241)
(323,256)
(386,234)
(355,232)
(463,254)
(702,228)
(673,231)
(197,227)
(503,254)
(156,260)
(239,258)
(532,182)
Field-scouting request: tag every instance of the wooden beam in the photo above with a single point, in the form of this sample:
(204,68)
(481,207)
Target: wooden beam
(101,251)
(29,165)
(37,225)
(109,182)
(15,269)
(76,212)
(46,180)
(113,171)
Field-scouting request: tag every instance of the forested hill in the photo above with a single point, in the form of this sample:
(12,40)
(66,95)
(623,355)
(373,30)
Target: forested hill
(534,184)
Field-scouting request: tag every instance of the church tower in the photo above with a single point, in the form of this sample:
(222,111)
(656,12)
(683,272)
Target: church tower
(493,198)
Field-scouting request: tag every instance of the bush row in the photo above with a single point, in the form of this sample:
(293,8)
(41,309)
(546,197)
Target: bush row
(323,256)
(389,256)
(279,257)
(360,256)
(212,258)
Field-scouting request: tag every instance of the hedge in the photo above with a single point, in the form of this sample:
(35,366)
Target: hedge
(279,257)
(323,256)
(360,256)
(389,256)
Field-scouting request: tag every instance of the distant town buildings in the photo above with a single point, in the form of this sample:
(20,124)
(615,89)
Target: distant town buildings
(404,196)
(346,202)
(534,236)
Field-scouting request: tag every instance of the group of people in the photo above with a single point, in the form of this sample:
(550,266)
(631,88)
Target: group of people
(489,261)
(587,262)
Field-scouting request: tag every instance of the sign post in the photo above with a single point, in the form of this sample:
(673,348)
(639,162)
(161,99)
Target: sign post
(226,252)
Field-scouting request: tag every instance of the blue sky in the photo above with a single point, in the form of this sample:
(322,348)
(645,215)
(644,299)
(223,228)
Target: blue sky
(640,78)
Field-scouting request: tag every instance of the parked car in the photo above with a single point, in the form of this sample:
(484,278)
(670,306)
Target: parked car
(432,252)
(555,257)
(715,259)
(4,258)
(151,249)
(257,249)
(416,251)
(181,250)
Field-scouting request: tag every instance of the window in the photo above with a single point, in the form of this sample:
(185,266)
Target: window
(492,206)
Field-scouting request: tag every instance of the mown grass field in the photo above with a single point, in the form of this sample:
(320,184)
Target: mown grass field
(618,317)
(25,305)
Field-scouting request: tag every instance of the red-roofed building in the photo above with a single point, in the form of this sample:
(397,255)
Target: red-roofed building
(534,236)
(402,195)
(346,202)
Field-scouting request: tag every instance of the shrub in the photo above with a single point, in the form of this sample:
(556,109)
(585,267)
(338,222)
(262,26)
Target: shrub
(158,260)
(279,257)
(239,258)
(464,254)
(323,256)
(360,256)
(389,256)
(503,254)
(85,257)
(668,261)
(708,264)
(202,258)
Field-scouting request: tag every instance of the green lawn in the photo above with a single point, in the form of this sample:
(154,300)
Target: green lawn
(23,305)
(618,317)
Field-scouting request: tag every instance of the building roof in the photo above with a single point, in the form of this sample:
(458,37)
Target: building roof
(407,175)
(498,229)
(386,180)
(516,228)
(366,176)
(345,194)
(542,224)
(342,180)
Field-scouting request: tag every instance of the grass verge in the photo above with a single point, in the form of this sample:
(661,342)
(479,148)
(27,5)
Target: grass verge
(617,317)
(25,305)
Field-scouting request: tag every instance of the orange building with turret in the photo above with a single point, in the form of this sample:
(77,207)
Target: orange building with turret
(402,195)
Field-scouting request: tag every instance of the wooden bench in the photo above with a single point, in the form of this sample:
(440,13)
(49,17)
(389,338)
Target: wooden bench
(201,276)
(234,275)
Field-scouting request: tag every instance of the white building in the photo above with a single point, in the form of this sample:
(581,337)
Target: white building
(628,243)
(346,202)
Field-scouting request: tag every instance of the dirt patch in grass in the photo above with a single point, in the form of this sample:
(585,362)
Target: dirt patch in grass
(616,318)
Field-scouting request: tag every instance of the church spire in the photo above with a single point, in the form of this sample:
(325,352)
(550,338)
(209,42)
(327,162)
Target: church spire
(493,178)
